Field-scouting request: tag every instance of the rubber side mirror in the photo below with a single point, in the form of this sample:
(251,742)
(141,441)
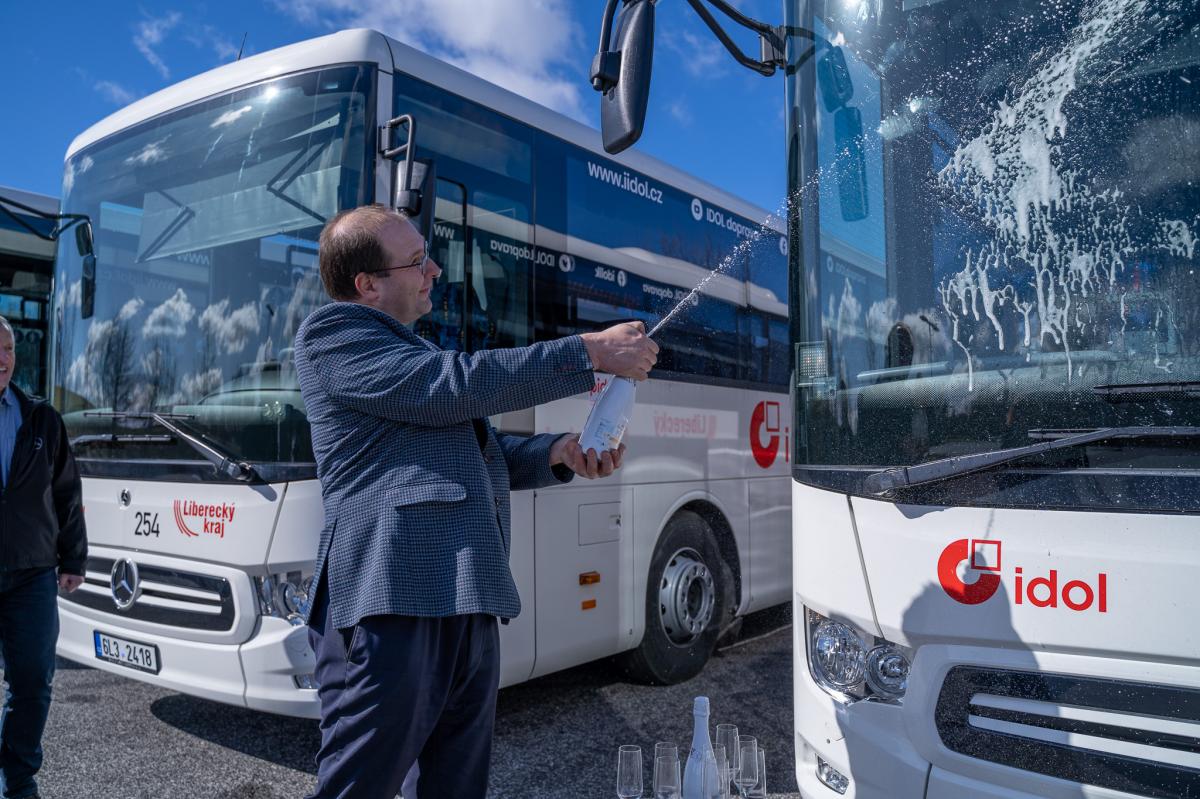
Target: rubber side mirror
(623,105)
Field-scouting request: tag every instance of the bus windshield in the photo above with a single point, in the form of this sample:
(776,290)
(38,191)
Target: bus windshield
(998,207)
(206,221)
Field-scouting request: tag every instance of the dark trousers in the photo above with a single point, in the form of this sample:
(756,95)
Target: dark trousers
(396,690)
(28,633)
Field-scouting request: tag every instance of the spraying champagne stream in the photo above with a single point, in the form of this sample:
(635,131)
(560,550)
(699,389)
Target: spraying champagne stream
(612,410)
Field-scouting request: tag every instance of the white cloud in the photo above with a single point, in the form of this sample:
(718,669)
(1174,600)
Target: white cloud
(208,37)
(171,318)
(232,331)
(529,47)
(150,33)
(680,111)
(201,383)
(130,309)
(702,56)
(229,117)
(152,153)
(76,167)
(114,92)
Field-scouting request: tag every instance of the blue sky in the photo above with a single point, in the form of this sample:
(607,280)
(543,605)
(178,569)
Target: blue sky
(72,63)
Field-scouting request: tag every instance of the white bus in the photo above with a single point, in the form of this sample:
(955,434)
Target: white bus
(996,342)
(995,333)
(206,201)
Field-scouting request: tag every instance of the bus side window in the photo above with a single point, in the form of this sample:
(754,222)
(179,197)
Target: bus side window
(444,324)
(501,261)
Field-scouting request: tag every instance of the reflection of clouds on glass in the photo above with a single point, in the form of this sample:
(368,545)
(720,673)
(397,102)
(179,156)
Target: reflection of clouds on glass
(83,377)
(229,117)
(171,318)
(197,385)
(307,297)
(848,314)
(68,296)
(231,332)
(152,153)
(130,309)
(76,167)
(879,320)
(101,373)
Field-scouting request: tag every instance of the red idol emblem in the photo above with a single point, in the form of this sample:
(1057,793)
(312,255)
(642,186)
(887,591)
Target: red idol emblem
(765,420)
(1042,592)
(980,552)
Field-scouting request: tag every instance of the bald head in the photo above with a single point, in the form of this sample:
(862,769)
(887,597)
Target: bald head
(350,243)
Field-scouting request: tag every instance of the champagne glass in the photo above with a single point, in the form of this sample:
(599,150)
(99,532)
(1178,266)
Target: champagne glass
(714,771)
(666,749)
(666,777)
(720,756)
(727,736)
(759,791)
(629,772)
(747,774)
(726,777)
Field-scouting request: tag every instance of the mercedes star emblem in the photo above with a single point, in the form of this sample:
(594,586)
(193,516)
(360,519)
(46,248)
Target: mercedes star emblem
(124,582)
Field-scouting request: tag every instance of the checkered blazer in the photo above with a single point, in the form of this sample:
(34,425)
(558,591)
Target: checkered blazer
(416,510)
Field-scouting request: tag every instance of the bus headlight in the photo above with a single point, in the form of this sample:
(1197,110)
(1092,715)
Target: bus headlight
(887,671)
(838,655)
(284,596)
(852,665)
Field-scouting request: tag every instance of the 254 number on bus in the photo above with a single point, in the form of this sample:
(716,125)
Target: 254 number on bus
(145,523)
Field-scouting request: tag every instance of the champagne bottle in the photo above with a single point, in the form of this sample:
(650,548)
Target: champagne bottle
(701,757)
(609,417)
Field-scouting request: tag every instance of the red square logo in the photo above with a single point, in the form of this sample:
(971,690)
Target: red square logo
(985,555)
(772,425)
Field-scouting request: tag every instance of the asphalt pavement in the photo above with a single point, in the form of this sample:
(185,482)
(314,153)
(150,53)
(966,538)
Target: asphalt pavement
(556,736)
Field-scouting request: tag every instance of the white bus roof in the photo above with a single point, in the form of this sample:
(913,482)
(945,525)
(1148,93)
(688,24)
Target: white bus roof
(41,202)
(363,45)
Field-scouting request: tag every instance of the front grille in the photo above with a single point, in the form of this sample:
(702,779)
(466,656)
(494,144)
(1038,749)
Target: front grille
(1128,736)
(166,596)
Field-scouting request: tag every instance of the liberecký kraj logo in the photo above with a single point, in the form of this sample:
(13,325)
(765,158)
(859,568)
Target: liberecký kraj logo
(984,570)
(196,518)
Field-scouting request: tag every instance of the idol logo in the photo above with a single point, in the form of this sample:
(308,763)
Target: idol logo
(765,420)
(697,209)
(985,565)
(987,575)
(194,518)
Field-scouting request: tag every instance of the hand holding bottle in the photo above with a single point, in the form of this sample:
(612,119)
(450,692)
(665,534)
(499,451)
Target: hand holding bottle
(623,350)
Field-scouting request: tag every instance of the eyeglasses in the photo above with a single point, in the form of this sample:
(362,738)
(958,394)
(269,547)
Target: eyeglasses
(422,263)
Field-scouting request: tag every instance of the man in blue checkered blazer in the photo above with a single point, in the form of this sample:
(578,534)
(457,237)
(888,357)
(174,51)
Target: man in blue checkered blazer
(412,567)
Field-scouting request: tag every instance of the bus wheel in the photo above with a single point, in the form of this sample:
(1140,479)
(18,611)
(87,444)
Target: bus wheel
(689,594)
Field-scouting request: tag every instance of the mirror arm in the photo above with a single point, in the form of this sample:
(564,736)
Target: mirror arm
(770,38)
(606,65)
(402,199)
(70,219)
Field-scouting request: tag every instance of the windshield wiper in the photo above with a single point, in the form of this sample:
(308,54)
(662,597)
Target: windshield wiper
(224,462)
(887,482)
(1137,392)
(122,438)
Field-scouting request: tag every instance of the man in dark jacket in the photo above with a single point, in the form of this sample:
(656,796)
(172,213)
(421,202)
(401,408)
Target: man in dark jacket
(43,547)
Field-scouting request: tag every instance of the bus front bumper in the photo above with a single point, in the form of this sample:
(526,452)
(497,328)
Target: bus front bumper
(260,674)
(865,742)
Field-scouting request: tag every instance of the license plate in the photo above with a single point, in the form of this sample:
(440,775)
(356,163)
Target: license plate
(132,654)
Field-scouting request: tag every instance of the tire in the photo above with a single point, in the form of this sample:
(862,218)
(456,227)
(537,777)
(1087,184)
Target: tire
(689,600)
